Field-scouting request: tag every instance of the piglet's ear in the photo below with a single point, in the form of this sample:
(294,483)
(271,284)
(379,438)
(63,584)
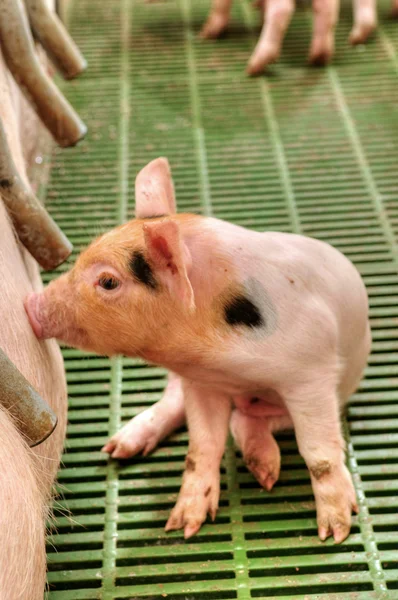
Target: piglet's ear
(154,190)
(170,258)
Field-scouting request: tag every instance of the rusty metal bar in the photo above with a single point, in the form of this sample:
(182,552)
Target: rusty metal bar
(34,226)
(19,52)
(55,39)
(32,416)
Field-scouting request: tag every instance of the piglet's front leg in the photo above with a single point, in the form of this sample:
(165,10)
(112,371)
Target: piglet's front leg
(144,432)
(314,409)
(208,416)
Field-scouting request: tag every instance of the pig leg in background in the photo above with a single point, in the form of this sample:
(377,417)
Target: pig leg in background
(260,451)
(22,548)
(326,14)
(208,414)
(144,432)
(365,20)
(394,8)
(217,20)
(315,413)
(277,16)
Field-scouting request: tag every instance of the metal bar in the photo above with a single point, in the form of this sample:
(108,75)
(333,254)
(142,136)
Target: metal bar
(55,39)
(19,52)
(275,137)
(34,226)
(112,483)
(362,162)
(32,416)
(201,154)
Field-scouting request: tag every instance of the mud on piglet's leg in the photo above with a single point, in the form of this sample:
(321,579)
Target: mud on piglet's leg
(208,416)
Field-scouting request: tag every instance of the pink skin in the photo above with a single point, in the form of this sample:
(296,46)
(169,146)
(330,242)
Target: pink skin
(31,305)
(258,446)
(44,319)
(325,19)
(277,15)
(45,322)
(144,432)
(365,20)
(300,363)
(252,435)
(27,474)
(217,20)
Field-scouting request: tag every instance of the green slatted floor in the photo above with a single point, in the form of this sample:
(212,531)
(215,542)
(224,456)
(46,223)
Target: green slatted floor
(305,150)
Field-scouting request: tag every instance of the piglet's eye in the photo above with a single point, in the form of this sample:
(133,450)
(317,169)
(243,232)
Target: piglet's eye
(108,282)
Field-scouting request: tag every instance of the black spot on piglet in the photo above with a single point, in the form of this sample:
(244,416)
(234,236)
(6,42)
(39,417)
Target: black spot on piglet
(142,270)
(241,311)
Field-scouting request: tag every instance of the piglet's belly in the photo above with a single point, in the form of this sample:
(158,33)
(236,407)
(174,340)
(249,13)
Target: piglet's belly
(265,404)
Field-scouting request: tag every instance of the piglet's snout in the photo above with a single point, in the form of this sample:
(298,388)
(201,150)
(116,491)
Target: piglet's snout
(52,314)
(32,307)
(45,317)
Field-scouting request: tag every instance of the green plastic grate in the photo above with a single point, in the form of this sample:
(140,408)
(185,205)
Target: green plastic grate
(306,150)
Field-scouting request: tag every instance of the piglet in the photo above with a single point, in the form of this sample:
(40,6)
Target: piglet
(277,15)
(260,331)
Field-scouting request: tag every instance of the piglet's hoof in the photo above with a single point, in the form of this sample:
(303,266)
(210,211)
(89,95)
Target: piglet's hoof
(361,32)
(335,522)
(335,502)
(214,27)
(260,60)
(322,50)
(138,435)
(265,471)
(197,498)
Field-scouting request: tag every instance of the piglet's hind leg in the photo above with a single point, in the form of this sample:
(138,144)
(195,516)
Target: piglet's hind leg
(260,451)
(208,416)
(144,432)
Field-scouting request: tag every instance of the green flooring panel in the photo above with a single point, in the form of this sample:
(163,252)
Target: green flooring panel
(307,150)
